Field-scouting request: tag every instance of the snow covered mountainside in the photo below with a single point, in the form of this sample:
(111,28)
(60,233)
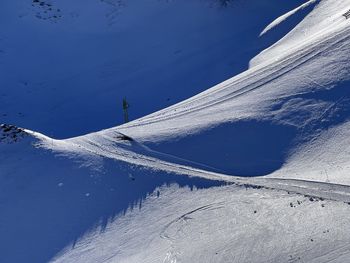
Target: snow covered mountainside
(84,57)
(254,169)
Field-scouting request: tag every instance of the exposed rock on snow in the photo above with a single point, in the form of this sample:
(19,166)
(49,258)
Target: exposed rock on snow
(11,133)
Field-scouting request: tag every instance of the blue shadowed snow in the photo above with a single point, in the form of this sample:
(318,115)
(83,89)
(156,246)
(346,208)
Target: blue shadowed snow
(48,202)
(245,148)
(331,108)
(68,77)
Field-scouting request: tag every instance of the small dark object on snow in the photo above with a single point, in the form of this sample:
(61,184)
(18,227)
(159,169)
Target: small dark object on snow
(255,211)
(347,14)
(311,240)
(10,133)
(123,137)
(7,129)
(252,186)
(125,110)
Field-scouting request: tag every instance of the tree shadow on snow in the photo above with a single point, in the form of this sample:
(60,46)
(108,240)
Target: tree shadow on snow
(47,202)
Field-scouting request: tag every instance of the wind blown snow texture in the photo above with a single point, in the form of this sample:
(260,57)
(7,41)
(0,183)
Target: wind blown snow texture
(254,169)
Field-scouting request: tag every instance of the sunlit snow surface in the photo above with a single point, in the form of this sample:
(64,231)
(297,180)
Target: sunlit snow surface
(254,169)
(94,53)
(224,224)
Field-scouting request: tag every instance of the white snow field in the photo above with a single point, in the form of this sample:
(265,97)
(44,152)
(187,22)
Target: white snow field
(254,169)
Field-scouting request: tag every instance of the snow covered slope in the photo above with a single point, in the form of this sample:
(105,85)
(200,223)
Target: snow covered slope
(74,61)
(50,199)
(103,210)
(254,169)
(223,224)
(280,114)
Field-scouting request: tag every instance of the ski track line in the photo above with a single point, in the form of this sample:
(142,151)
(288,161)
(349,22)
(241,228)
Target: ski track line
(301,187)
(278,69)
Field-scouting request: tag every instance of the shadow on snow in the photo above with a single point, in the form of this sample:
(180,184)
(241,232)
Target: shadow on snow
(244,148)
(48,202)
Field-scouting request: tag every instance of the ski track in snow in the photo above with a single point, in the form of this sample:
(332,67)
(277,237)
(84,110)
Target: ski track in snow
(248,219)
(265,74)
(227,92)
(172,232)
(302,187)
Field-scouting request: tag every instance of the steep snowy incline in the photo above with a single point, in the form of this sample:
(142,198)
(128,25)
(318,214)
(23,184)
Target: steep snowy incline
(263,119)
(50,198)
(317,64)
(88,206)
(223,224)
(219,177)
(328,14)
(73,62)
